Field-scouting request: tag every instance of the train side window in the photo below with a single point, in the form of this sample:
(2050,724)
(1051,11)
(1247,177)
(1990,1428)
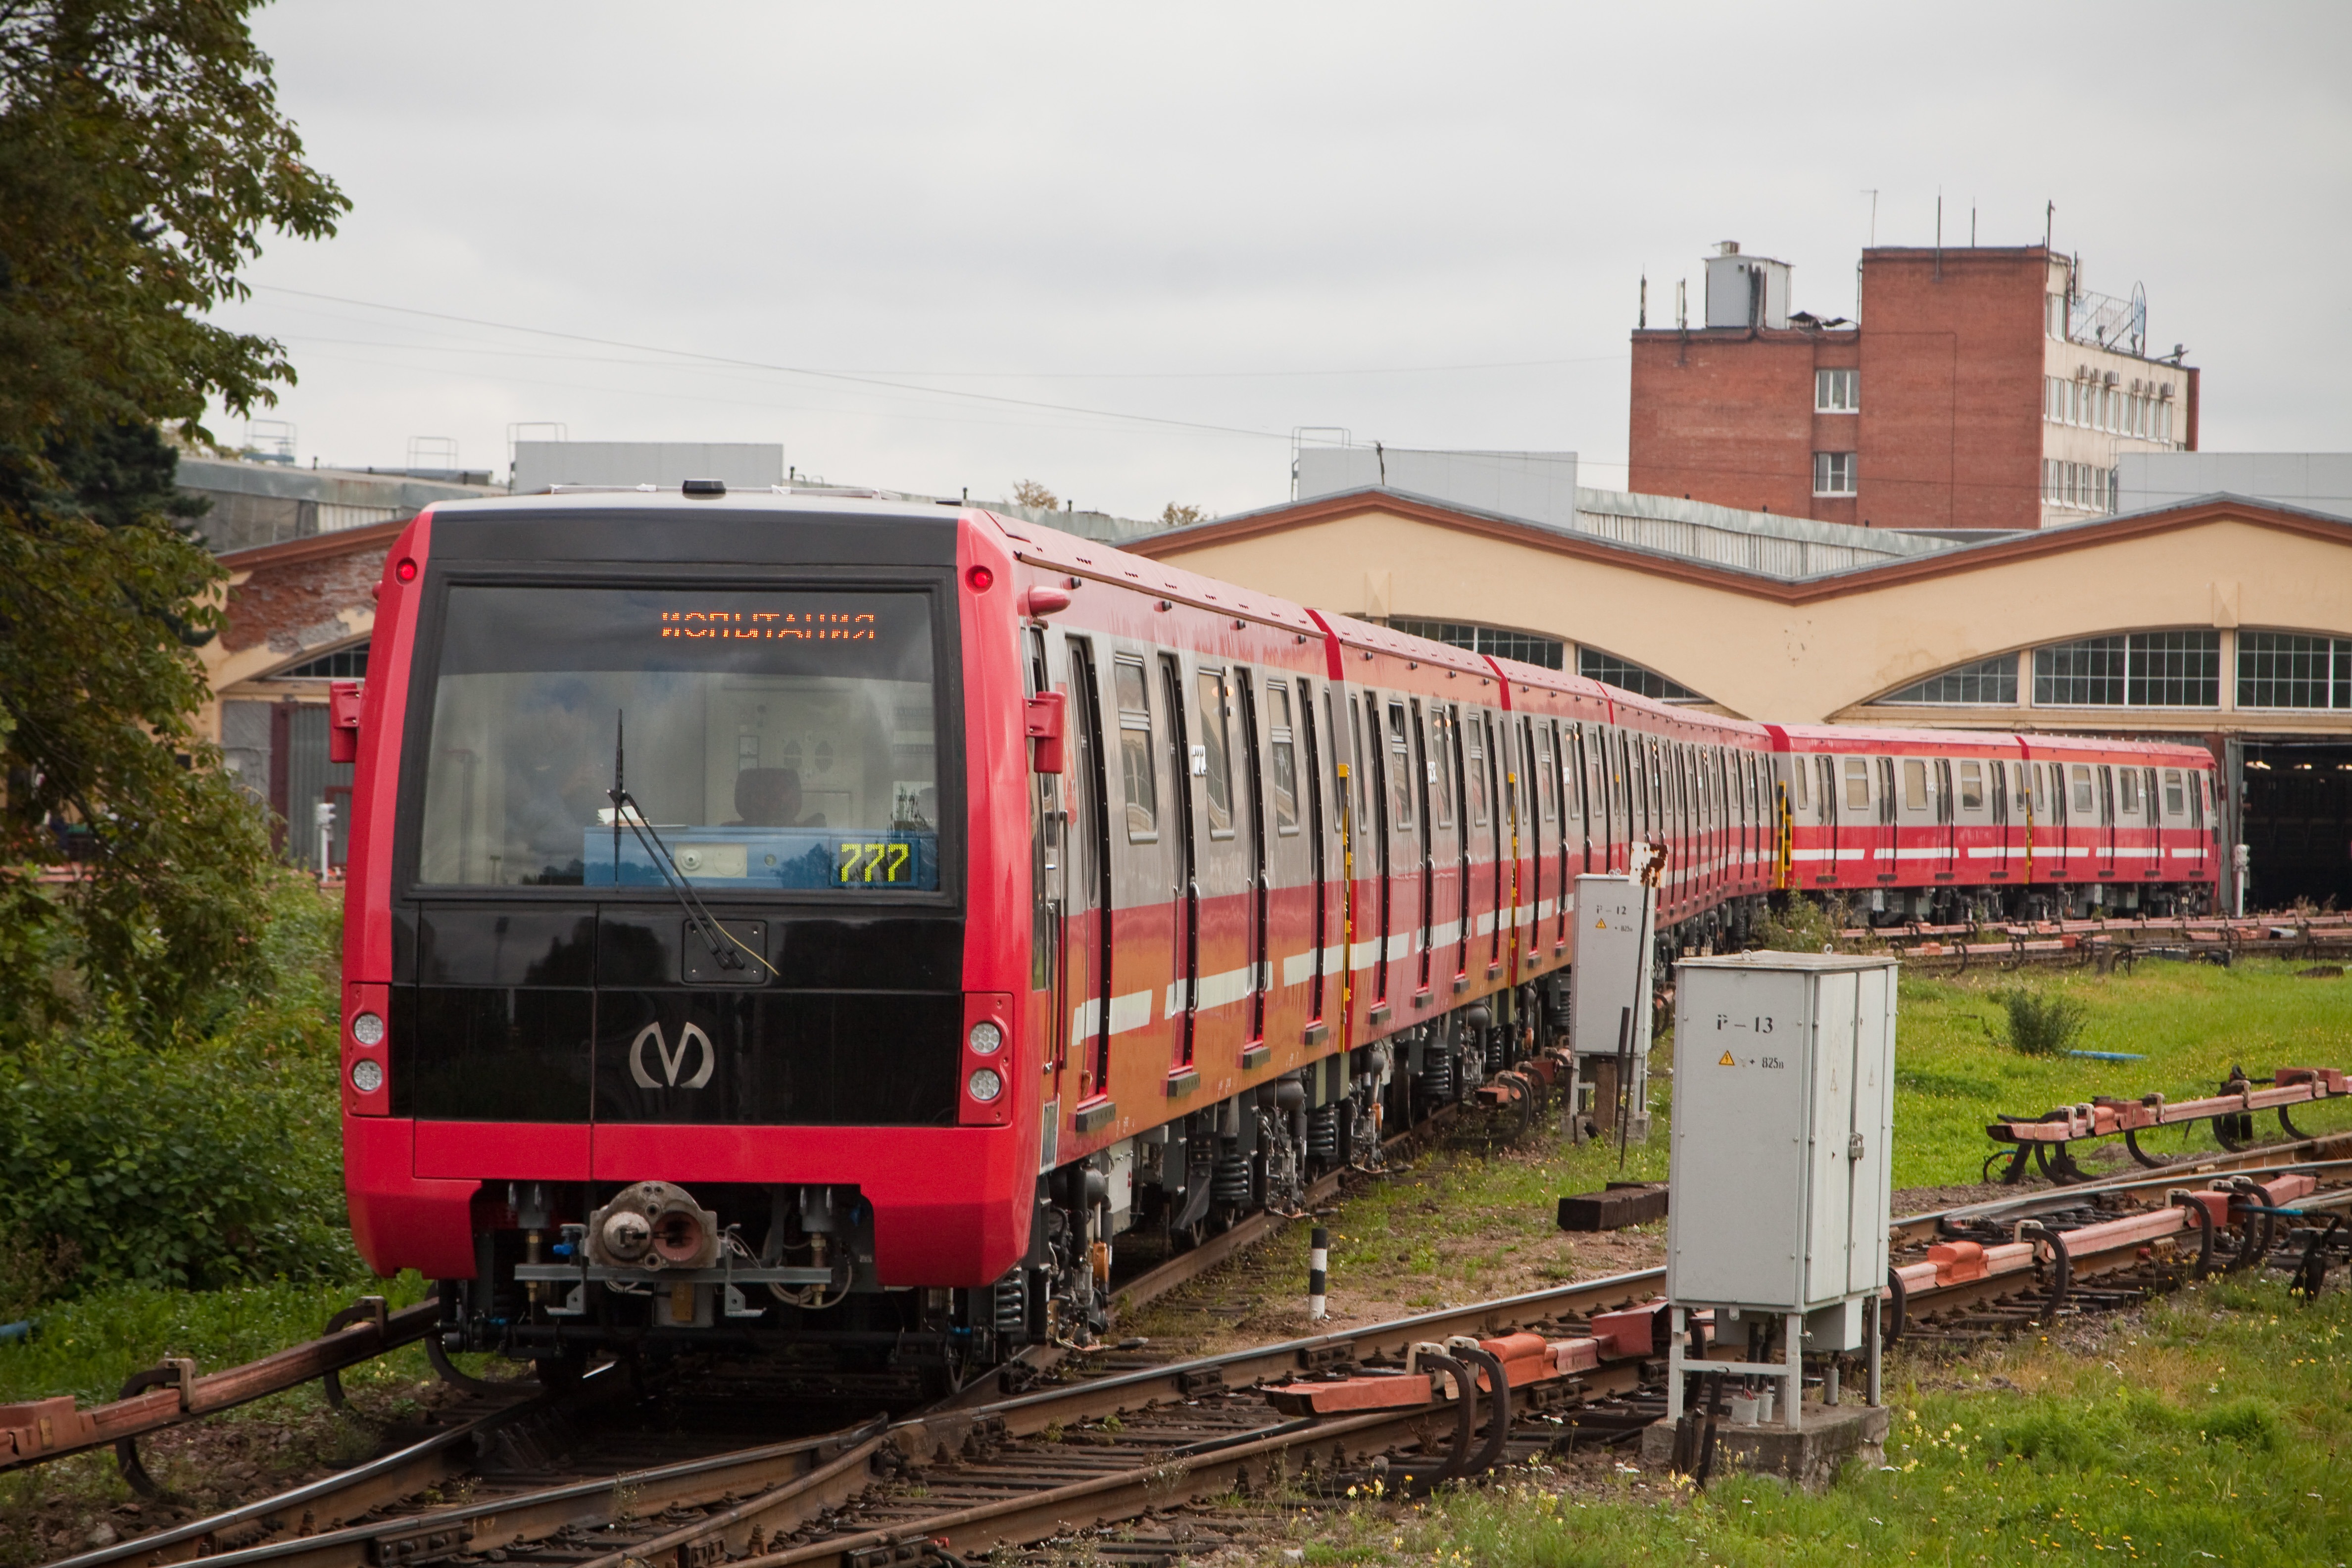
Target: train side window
(2127,795)
(1362,788)
(1217,747)
(1546,772)
(1802,794)
(1478,773)
(2196,799)
(1441,736)
(1400,769)
(1857,784)
(2085,803)
(1914,784)
(2174,801)
(1972,794)
(1134,695)
(1284,755)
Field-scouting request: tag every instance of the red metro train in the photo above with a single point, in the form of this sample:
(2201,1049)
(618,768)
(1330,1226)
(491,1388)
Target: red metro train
(808,921)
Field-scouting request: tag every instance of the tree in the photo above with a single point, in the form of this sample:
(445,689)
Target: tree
(1029,492)
(140,154)
(1175,516)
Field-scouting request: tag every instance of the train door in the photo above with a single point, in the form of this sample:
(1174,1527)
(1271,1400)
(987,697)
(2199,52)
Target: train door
(1422,770)
(1560,748)
(1184,890)
(1576,798)
(2106,819)
(1997,841)
(1048,886)
(1392,768)
(1945,840)
(2063,814)
(1087,933)
(1153,855)
(1884,855)
(1491,817)
(1251,821)
(1318,849)
(2152,825)
(1460,744)
(1372,816)
(1534,766)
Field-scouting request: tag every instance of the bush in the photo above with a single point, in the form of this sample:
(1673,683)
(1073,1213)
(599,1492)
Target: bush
(1799,924)
(197,1154)
(2041,1022)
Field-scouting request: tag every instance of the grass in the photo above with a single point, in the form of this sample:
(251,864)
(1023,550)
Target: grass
(1954,1069)
(2211,1426)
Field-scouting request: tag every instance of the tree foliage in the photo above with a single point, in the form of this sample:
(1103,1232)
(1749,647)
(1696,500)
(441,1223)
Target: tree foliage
(142,154)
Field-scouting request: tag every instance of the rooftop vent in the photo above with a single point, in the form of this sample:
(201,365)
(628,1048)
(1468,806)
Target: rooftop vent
(704,486)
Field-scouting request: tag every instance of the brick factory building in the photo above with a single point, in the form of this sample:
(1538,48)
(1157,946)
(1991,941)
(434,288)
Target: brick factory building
(1983,389)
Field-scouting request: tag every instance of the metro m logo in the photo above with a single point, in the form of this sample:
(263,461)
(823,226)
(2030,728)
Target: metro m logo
(690,1036)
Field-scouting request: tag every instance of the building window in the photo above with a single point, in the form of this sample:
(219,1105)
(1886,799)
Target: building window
(2078,486)
(1624,673)
(1834,474)
(2282,669)
(1988,683)
(1528,648)
(2143,669)
(343,664)
(1837,391)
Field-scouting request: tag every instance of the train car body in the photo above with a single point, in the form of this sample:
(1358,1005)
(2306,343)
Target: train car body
(830,924)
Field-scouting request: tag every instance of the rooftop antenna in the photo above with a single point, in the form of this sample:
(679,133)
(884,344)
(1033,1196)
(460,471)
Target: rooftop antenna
(1939,236)
(1642,322)
(2049,222)
(1873,194)
(1972,226)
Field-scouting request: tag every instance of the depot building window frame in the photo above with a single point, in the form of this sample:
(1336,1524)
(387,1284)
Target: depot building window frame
(1834,474)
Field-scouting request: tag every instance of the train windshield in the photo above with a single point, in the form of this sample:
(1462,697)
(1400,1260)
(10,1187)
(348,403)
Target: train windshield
(773,739)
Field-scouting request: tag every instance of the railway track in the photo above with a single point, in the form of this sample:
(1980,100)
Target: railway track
(983,1470)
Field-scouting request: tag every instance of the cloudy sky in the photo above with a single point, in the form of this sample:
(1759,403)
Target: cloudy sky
(1128,251)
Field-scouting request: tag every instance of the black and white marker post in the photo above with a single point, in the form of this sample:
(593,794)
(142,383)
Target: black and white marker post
(1318,1270)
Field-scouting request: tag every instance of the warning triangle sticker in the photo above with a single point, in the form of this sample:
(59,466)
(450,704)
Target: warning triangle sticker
(1727,1061)
(1601,924)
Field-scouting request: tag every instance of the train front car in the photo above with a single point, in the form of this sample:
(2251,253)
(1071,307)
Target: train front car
(667,1017)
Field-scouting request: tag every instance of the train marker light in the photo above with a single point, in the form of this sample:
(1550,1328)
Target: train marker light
(980,578)
(986,1038)
(367,1075)
(368,1028)
(984,1085)
(405,571)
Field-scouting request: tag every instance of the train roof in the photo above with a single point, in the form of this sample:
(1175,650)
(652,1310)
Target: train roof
(1849,738)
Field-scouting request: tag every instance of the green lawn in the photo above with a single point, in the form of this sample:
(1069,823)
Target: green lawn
(2214,1426)
(2192,1021)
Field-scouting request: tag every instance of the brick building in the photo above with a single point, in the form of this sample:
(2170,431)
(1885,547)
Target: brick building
(1983,388)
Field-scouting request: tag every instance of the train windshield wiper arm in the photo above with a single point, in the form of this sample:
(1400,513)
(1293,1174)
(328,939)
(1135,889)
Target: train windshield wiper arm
(698,919)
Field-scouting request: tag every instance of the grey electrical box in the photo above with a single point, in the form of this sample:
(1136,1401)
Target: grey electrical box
(1784,1067)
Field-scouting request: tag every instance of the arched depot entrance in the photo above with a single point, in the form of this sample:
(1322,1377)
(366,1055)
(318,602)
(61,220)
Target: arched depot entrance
(2296,820)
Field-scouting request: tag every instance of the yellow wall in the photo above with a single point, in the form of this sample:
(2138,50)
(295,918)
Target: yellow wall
(1763,659)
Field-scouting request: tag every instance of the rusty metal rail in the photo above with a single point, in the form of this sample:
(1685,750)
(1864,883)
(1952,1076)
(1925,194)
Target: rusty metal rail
(2044,1141)
(174,1391)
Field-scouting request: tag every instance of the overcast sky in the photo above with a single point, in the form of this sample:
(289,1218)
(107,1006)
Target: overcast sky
(1425,224)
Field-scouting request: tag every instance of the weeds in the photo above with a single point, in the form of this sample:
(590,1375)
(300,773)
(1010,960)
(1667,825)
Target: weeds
(2042,1023)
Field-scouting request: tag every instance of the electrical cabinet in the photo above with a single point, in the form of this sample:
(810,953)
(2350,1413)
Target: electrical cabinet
(1784,1068)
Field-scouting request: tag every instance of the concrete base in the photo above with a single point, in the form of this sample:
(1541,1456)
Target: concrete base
(1809,1456)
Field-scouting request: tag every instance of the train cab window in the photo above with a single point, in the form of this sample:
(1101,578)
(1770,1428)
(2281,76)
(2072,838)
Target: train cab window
(2085,803)
(1134,695)
(1914,784)
(786,737)
(1972,794)
(2127,791)
(1400,769)
(1857,784)
(1216,751)
(1283,755)
(2175,801)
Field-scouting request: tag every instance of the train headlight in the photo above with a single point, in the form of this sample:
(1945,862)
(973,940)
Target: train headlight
(987,1039)
(984,1085)
(367,1074)
(368,1028)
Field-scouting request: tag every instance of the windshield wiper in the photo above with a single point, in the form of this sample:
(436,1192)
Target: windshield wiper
(726,950)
